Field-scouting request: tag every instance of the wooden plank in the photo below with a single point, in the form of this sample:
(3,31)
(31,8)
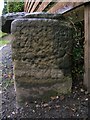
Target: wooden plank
(63,7)
(25,4)
(35,5)
(76,14)
(30,6)
(56,7)
(28,2)
(25,7)
(43,6)
(87,46)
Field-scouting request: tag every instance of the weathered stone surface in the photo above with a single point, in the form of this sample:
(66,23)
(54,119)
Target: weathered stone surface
(7,20)
(42,92)
(9,17)
(41,56)
(43,15)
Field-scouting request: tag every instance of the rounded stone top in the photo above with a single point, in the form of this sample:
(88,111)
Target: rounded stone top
(7,19)
(43,15)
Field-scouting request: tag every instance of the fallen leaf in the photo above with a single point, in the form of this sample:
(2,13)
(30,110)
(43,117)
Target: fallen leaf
(57,106)
(8,116)
(53,98)
(37,106)
(82,90)
(9,76)
(77,115)
(35,102)
(45,105)
(49,108)
(61,97)
(33,111)
(78,98)
(86,99)
(86,92)
(73,109)
(57,97)
(13,113)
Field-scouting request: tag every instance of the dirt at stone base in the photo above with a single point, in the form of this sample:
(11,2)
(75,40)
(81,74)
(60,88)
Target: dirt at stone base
(73,106)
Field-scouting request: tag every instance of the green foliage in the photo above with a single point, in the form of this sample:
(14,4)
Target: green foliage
(5,8)
(2,34)
(15,7)
(78,53)
(7,83)
(4,42)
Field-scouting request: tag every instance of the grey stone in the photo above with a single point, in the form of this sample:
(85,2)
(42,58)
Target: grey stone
(40,48)
(9,17)
(7,20)
(44,15)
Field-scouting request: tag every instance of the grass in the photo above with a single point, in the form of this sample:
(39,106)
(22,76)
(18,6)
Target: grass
(7,83)
(2,34)
(4,42)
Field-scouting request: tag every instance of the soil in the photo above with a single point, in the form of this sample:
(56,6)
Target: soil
(74,105)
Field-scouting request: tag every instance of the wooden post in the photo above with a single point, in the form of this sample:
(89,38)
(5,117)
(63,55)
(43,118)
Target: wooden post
(87,46)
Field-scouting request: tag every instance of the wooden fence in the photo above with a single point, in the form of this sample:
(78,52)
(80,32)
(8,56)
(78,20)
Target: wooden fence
(51,7)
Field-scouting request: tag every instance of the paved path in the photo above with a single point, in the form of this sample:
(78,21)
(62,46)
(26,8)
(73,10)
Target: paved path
(2,47)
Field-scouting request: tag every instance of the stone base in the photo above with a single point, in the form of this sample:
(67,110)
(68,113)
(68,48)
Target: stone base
(41,93)
(34,84)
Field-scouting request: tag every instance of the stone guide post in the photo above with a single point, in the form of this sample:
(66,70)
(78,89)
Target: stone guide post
(41,52)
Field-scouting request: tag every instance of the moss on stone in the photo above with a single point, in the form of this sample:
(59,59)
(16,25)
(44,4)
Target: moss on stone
(39,83)
(65,87)
(48,94)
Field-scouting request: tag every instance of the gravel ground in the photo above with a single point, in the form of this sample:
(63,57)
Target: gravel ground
(71,106)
